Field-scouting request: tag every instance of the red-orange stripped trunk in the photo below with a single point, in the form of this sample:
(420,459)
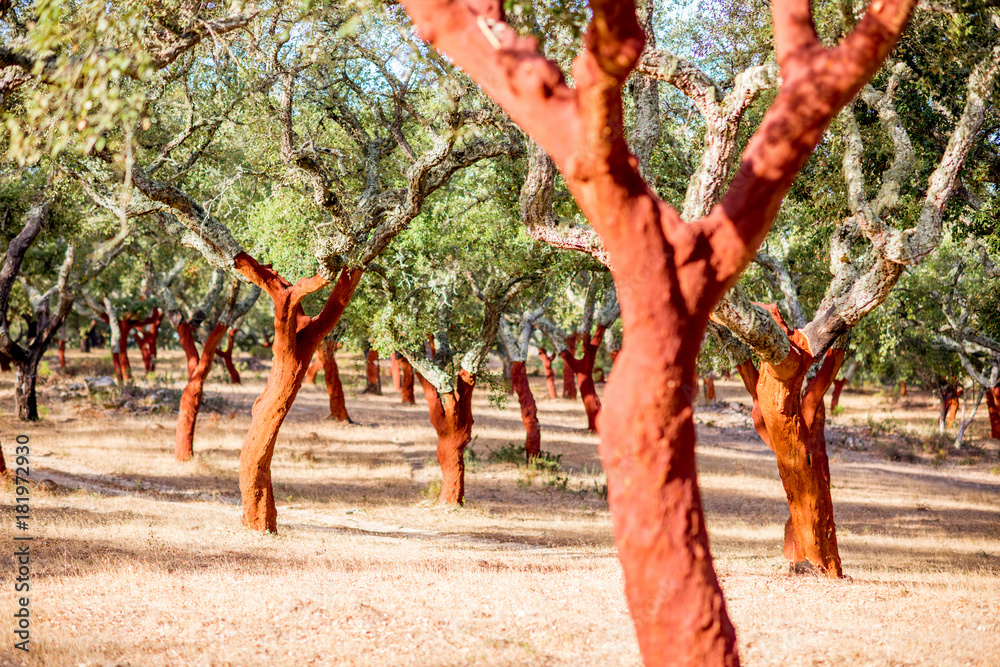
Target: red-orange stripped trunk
(569,377)
(326,354)
(296,336)
(902,387)
(993,409)
(62,354)
(550,376)
(373,380)
(146,340)
(227,359)
(838,388)
(529,412)
(792,422)
(198,367)
(451,417)
(709,387)
(669,273)
(405,381)
(313,370)
(394,370)
(583,368)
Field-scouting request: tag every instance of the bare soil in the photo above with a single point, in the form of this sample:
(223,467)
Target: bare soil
(139,560)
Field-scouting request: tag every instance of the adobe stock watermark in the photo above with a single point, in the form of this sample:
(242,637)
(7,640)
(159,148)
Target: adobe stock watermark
(22,544)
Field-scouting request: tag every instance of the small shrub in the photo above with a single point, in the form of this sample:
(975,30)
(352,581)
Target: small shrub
(837,411)
(509,453)
(43,370)
(879,427)
(432,490)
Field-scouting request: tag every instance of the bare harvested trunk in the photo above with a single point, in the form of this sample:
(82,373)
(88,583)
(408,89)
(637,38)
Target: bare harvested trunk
(146,340)
(529,412)
(583,368)
(62,354)
(993,408)
(902,387)
(313,370)
(295,340)
(373,380)
(550,376)
(227,359)
(451,416)
(838,388)
(394,360)
(326,353)
(4,363)
(198,369)
(792,423)
(950,394)
(3,464)
(406,381)
(123,369)
(709,387)
(569,379)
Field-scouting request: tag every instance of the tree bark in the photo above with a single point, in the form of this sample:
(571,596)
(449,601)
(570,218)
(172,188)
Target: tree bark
(902,388)
(62,354)
(451,416)
(569,377)
(550,376)
(993,409)
(709,387)
(529,412)
(25,379)
(405,381)
(296,336)
(194,391)
(583,369)
(373,379)
(326,354)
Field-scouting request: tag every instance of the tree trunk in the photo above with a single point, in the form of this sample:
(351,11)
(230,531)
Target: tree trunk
(569,380)
(550,377)
(451,416)
(62,354)
(406,381)
(296,337)
(3,464)
(508,374)
(902,387)
(123,368)
(394,361)
(794,423)
(373,380)
(838,387)
(198,369)
(146,340)
(583,369)
(25,378)
(313,370)
(709,387)
(993,409)
(331,377)
(529,412)
(227,359)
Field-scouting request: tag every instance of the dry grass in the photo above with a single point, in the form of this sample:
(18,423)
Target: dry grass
(139,560)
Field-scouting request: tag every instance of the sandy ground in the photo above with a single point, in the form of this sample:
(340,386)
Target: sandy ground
(139,560)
